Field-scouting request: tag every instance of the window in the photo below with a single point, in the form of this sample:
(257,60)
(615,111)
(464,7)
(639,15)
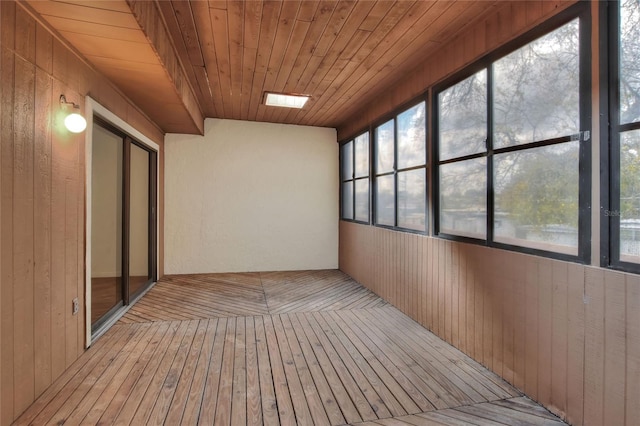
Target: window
(509,147)
(346,160)
(462,124)
(400,170)
(355,179)
(385,180)
(624,212)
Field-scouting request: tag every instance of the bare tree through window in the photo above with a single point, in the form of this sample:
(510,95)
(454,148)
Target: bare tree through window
(529,160)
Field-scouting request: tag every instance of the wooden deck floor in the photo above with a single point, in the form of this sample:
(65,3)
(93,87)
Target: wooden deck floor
(307,348)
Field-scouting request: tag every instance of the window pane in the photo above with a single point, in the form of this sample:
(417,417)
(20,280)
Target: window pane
(384,148)
(139,219)
(462,117)
(629,61)
(106,222)
(347,161)
(385,200)
(630,196)
(362,155)
(536,90)
(412,137)
(463,198)
(536,198)
(362,200)
(412,199)
(347,200)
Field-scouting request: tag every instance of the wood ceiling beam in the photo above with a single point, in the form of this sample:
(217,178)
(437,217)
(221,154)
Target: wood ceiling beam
(152,24)
(180,21)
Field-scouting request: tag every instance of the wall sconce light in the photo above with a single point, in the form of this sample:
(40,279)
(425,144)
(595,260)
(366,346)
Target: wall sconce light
(74,122)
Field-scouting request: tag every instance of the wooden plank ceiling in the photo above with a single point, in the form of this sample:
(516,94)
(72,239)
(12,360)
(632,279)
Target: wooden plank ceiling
(224,55)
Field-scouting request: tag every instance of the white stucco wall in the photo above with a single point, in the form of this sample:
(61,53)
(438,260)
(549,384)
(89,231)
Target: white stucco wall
(251,196)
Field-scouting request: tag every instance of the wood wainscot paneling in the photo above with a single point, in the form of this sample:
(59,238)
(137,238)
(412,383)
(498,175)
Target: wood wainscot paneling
(42,242)
(565,334)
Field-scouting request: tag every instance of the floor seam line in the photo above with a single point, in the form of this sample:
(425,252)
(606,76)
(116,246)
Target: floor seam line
(264,294)
(448,408)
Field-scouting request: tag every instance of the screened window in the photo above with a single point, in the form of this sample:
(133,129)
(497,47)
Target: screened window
(401,176)
(462,124)
(625,128)
(509,147)
(355,179)
(385,179)
(346,172)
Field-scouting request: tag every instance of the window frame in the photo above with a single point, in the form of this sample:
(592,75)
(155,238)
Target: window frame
(611,130)
(353,177)
(393,116)
(579,11)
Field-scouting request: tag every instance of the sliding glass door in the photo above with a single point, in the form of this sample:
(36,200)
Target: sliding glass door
(140,220)
(106,223)
(123,224)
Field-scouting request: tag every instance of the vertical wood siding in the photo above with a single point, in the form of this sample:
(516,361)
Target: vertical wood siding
(42,204)
(567,335)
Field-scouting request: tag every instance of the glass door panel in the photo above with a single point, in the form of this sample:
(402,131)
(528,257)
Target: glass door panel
(139,220)
(106,224)
(123,239)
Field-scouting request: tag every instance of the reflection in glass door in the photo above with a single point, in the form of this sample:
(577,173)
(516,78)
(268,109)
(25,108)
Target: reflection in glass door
(122,222)
(106,223)
(139,224)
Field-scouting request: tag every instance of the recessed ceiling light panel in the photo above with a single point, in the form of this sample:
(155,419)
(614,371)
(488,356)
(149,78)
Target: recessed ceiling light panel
(285,100)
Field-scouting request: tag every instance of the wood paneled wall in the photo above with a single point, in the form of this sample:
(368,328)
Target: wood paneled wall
(567,335)
(42,202)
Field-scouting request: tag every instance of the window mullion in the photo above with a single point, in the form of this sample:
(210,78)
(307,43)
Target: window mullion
(395,170)
(584,154)
(489,147)
(353,178)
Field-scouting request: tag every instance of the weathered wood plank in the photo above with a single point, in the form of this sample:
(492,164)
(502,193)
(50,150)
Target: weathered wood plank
(315,400)
(388,386)
(267,393)
(632,320)
(280,383)
(94,402)
(223,406)
(254,404)
(348,373)
(330,373)
(594,346)
(212,384)
(153,391)
(545,329)
(576,342)
(328,367)
(6,206)
(187,377)
(301,403)
(324,390)
(70,395)
(239,397)
(110,405)
(60,388)
(23,231)
(615,374)
(559,337)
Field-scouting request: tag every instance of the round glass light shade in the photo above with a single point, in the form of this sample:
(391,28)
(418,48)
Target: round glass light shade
(75,123)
